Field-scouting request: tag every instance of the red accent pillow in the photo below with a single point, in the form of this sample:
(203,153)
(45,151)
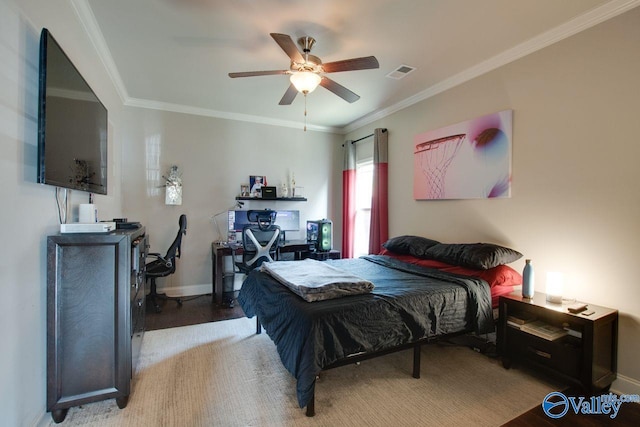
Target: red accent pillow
(501,279)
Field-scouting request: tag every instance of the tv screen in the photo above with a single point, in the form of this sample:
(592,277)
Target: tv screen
(72,124)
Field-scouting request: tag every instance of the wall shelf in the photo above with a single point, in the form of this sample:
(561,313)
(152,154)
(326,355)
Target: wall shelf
(284,199)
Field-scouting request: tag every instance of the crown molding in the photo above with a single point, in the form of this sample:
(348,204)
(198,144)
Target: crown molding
(186,109)
(561,32)
(88,21)
(587,20)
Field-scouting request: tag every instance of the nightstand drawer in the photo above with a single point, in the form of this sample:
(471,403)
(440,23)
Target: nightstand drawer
(559,355)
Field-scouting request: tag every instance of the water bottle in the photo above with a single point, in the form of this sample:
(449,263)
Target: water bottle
(527,279)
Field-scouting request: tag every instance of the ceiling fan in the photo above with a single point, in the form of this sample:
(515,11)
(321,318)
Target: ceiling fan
(307,71)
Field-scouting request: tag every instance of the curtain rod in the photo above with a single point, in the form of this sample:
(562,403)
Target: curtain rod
(364,137)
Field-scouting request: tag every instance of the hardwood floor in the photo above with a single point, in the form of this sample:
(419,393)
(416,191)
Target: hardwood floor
(194,310)
(201,309)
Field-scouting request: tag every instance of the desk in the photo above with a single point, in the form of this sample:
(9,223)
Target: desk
(300,249)
(323,256)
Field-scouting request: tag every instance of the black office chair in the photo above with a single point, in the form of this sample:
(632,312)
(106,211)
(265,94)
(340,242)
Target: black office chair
(165,266)
(261,241)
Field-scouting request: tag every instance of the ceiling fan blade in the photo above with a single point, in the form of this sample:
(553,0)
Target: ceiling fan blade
(258,73)
(364,63)
(289,47)
(289,95)
(339,90)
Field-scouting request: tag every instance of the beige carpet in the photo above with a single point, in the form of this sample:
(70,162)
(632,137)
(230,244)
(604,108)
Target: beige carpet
(222,374)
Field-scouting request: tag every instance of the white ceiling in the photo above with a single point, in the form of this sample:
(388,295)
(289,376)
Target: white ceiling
(176,54)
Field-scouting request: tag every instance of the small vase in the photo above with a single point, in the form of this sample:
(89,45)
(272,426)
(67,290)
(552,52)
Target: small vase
(527,279)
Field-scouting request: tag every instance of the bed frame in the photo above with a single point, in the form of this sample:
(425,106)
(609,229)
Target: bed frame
(416,346)
(409,287)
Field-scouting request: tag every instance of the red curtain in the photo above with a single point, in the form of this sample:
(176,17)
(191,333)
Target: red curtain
(379,227)
(348,199)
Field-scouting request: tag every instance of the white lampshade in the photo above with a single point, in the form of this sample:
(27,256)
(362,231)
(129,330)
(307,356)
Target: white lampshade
(555,287)
(305,81)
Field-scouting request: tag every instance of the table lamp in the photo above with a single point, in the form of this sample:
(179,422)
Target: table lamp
(555,287)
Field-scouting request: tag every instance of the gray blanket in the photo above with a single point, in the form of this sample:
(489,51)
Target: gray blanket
(316,280)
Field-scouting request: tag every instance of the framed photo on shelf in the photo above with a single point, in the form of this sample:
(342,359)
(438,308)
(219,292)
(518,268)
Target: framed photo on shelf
(244,190)
(256,182)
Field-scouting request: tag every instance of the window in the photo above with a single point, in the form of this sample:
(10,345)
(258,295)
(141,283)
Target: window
(364,187)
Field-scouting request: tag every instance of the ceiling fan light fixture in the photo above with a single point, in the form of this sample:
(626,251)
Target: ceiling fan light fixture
(305,81)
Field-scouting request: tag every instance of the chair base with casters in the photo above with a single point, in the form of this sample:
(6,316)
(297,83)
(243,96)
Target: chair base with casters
(153,296)
(229,299)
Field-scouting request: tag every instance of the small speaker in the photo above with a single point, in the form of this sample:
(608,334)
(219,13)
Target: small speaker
(268,192)
(319,234)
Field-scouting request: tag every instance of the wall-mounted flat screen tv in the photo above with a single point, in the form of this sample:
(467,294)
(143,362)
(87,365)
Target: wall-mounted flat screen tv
(72,124)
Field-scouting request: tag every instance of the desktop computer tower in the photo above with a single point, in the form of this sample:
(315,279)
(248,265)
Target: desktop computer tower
(320,235)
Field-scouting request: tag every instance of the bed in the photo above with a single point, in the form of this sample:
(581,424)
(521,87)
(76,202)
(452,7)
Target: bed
(409,305)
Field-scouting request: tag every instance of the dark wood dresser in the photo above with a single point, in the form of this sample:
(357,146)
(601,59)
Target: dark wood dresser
(95,316)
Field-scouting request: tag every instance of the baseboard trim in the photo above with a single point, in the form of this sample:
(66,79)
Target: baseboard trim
(186,291)
(200,289)
(625,385)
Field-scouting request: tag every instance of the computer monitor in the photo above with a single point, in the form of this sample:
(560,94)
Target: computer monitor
(237,220)
(288,220)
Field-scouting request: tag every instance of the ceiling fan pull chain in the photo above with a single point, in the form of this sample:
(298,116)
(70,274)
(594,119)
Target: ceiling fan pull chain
(305,112)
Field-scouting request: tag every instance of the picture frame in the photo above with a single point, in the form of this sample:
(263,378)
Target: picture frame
(256,182)
(466,160)
(244,190)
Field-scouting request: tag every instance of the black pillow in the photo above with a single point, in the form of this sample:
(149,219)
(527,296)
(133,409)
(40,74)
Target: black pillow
(479,256)
(409,245)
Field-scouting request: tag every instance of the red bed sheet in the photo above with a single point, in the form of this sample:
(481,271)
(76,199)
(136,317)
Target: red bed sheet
(501,279)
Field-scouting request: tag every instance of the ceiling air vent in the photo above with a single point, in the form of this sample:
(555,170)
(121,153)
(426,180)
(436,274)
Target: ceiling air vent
(400,72)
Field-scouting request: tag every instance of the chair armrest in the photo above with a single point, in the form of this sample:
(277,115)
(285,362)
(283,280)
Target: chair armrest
(156,255)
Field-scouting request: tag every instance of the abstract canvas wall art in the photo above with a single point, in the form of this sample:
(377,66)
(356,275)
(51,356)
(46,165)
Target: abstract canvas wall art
(468,160)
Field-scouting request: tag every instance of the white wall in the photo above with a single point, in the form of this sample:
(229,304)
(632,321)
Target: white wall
(575,201)
(575,204)
(215,156)
(29,211)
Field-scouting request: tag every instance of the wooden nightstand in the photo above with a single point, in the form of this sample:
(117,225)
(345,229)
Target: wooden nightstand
(585,354)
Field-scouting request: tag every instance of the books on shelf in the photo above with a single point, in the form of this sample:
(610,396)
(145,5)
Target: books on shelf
(572,332)
(543,330)
(519,319)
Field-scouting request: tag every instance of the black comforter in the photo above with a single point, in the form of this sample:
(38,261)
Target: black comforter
(409,303)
